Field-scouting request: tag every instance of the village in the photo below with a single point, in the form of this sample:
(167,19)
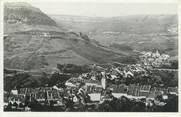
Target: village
(100,86)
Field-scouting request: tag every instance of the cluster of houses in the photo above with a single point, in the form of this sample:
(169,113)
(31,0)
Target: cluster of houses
(114,72)
(48,94)
(44,95)
(154,59)
(132,89)
(131,70)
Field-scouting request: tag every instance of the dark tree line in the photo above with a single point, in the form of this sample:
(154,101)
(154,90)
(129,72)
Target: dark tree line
(72,68)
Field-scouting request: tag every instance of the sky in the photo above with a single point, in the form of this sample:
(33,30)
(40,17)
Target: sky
(93,9)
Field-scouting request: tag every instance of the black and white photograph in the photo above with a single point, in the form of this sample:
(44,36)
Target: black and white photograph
(90,57)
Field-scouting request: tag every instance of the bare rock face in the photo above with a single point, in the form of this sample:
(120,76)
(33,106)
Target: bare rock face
(24,17)
(15,13)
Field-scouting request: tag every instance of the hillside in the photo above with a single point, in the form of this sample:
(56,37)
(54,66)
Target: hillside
(34,41)
(39,49)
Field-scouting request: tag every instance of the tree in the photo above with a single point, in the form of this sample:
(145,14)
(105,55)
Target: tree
(174,64)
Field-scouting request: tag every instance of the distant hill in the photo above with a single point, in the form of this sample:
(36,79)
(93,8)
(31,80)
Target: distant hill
(134,24)
(139,32)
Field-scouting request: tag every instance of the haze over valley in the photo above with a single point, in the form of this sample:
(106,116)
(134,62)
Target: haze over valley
(35,40)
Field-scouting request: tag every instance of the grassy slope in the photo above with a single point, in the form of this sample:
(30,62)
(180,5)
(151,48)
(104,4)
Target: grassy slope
(25,51)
